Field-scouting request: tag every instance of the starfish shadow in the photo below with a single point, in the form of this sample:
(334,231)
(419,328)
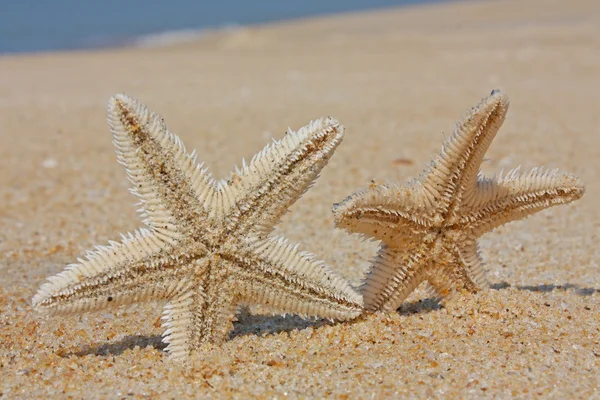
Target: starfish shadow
(421,306)
(261,325)
(577,289)
(119,347)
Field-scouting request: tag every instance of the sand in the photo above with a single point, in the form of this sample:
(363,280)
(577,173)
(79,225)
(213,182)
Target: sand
(397,79)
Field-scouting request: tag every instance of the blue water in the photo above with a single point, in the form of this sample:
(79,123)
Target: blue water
(42,25)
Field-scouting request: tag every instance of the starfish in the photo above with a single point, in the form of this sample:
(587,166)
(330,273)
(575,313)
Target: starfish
(207,247)
(428,227)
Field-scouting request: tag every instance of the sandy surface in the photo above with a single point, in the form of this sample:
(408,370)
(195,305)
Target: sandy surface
(397,80)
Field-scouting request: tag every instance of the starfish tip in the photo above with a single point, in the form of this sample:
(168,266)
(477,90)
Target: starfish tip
(497,100)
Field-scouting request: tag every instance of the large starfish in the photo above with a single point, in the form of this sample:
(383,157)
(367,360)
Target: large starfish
(208,246)
(429,226)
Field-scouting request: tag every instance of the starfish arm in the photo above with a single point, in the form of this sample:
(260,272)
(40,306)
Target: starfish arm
(276,274)
(203,314)
(395,274)
(516,196)
(429,292)
(390,213)
(171,186)
(452,175)
(179,321)
(448,279)
(262,191)
(471,258)
(138,269)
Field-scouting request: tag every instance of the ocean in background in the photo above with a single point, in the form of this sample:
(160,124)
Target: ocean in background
(42,25)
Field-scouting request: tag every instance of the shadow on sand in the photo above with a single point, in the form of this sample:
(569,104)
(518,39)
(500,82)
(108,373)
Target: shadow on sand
(432,304)
(262,325)
(577,289)
(259,325)
(420,306)
(119,347)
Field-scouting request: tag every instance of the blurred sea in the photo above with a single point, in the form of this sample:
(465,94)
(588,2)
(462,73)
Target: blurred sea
(42,25)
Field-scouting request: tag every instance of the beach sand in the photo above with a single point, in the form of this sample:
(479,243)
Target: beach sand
(398,80)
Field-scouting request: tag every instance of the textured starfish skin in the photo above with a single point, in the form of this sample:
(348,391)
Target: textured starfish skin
(207,246)
(429,226)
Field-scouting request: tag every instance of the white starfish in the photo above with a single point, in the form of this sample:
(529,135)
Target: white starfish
(429,227)
(207,246)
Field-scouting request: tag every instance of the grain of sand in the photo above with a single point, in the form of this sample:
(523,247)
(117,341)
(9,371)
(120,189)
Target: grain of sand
(397,79)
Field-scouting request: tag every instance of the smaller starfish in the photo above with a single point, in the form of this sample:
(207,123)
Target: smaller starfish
(208,246)
(429,227)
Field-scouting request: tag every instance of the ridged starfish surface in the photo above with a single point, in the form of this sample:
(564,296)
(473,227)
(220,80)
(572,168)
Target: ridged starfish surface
(429,226)
(208,246)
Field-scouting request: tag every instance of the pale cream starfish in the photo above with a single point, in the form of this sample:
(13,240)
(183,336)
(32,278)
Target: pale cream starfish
(429,226)
(208,246)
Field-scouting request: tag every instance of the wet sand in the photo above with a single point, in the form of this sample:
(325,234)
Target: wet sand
(398,80)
